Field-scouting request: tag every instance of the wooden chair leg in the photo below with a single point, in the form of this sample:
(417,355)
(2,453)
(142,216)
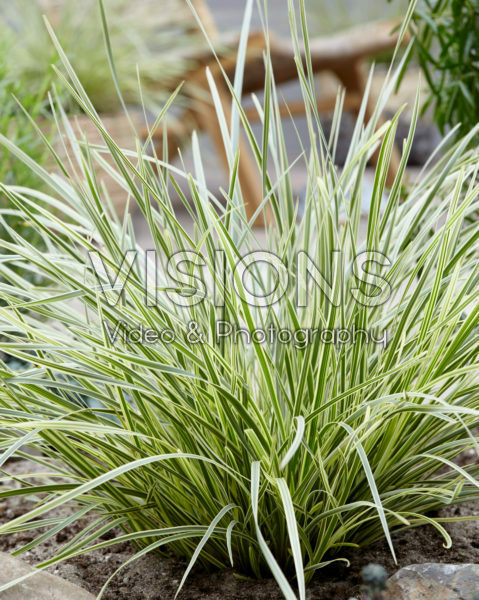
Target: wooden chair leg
(202,115)
(352,78)
(251,186)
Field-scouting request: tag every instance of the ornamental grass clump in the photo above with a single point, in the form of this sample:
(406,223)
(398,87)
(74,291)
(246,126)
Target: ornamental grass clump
(151,42)
(276,456)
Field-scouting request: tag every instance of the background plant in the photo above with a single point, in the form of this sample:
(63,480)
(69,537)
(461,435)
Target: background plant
(15,125)
(269,458)
(148,43)
(447,41)
(374,578)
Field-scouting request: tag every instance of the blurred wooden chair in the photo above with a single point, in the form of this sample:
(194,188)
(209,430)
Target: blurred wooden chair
(342,54)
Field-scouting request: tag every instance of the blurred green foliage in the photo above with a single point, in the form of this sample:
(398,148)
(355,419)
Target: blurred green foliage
(16,126)
(447,45)
(151,41)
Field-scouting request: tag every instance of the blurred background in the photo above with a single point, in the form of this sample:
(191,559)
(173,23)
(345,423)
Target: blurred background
(324,16)
(159,43)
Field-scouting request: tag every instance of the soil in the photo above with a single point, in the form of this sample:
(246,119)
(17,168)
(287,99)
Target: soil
(156,578)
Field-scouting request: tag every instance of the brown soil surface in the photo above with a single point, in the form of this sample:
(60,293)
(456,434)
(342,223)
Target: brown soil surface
(156,578)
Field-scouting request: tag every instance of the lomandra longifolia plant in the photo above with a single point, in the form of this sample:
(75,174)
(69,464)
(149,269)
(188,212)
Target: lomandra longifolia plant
(218,443)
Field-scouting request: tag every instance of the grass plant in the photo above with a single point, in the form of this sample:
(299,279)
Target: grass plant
(272,458)
(153,44)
